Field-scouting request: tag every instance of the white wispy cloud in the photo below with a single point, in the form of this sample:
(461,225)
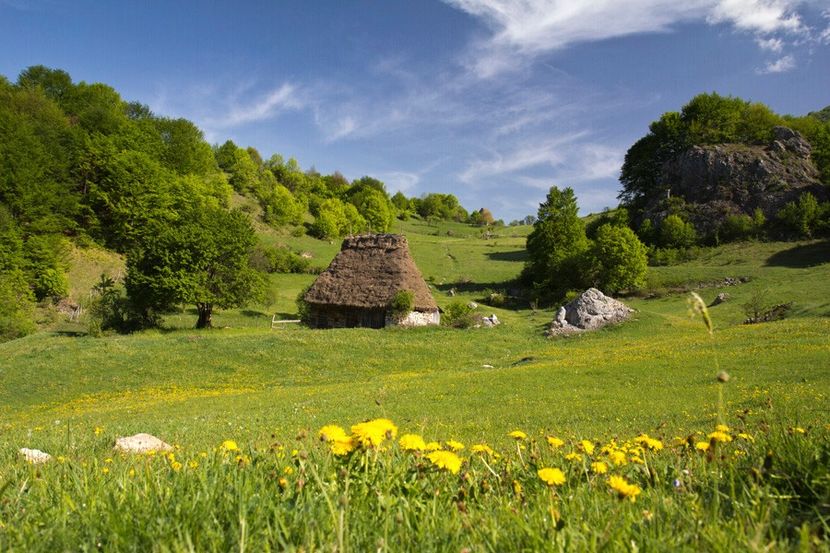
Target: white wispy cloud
(781,65)
(771,44)
(261,108)
(568,158)
(402,181)
(524,29)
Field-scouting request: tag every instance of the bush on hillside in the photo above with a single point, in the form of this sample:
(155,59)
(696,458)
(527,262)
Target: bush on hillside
(618,259)
(17,305)
(458,315)
(677,233)
(801,218)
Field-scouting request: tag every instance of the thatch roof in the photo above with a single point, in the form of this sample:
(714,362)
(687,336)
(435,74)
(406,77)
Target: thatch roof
(369,270)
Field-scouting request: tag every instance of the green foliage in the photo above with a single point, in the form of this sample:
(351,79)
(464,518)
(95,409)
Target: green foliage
(402,303)
(334,219)
(278,260)
(303,307)
(556,245)
(445,207)
(202,260)
(615,217)
(482,217)
(742,226)
(16,306)
(374,206)
(802,217)
(677,233)
(280,206)
(50,284)
(458,314)
(109,308)
(618,259)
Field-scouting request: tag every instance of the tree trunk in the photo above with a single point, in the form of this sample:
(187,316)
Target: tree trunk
(205,311)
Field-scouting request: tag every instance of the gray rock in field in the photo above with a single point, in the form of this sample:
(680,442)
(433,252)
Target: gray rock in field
(472,305)
(492,320)
(720,298)
(590,311)
(141,443)
(35,456)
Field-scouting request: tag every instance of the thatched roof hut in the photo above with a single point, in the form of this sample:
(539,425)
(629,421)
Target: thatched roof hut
(359,284)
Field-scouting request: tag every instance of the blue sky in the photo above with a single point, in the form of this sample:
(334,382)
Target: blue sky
(491,100)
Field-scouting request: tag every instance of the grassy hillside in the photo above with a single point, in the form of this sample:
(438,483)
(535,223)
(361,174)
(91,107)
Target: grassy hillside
(72,396)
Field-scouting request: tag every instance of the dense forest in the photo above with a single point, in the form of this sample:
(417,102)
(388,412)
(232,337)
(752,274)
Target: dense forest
(78,164)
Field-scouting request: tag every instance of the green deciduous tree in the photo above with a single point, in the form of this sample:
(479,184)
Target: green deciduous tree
(202,260)
(618,260)
(556,244)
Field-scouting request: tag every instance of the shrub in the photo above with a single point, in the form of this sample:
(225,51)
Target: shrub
(458,315)
(303,308)
(402,303)
(802,217)
(496,299)
(618,259)
(110,309)
(677,233)
(51,284)
(16,306)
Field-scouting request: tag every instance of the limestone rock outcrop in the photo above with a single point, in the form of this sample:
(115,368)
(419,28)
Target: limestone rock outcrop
(590,311)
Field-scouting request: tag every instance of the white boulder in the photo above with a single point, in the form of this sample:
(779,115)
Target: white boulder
(141,443)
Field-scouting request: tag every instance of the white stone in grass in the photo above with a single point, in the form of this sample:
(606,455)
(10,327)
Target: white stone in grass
(141,443)
(35,456)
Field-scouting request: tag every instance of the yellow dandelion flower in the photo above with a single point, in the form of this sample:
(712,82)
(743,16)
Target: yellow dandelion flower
(98,430)
(60,459)
(745,436)
(517,487)
(229,445)
(624,489)
(288,470)
(617,457)
(454,445)
(722,428)
(374,432)
(573,456)
(637,460)
(598,467)
(193,464)
(719,436)
(551,477)
(331,433)
(105,470)
(555,442)
(412,442)
(342,447)
(446,460)
(702,446)
(651,443)
(587,446)
(517,435)
(283,483)
(176,466)
(131,473)
(432,446)
(799,430)
(481,448)
(108,461)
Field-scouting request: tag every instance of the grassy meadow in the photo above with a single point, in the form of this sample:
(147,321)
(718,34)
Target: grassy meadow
(265,394)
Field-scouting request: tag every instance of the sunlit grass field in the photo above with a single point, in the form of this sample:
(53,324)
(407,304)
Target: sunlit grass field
(72,395)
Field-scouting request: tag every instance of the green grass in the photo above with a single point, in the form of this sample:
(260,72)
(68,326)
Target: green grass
(655,374)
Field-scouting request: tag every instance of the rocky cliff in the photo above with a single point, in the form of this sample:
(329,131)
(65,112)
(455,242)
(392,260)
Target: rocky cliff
(728,179)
